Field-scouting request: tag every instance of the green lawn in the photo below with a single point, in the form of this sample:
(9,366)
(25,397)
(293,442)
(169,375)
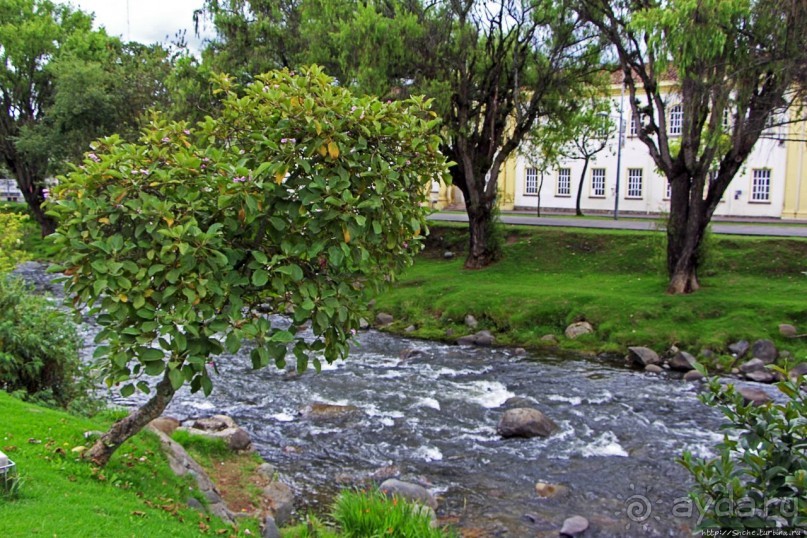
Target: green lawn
(60,495)
(550,278)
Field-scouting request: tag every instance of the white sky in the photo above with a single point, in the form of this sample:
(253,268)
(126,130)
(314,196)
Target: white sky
(146,21)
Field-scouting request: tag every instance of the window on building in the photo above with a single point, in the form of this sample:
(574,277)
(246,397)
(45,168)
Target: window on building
(676,120)
(634,183)
(565,182)
(668,190)
(761,185)
(633,128)
(531,183)
(598,182)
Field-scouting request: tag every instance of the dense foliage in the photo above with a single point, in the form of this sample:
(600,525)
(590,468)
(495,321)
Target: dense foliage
(759,479)
(371,513)
(38,347)
(299,197)
(11,252)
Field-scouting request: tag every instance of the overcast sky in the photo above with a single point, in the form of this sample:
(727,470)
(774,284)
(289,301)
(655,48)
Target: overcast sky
(147,21)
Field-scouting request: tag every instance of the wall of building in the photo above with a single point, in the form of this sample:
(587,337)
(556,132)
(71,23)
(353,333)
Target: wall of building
(9,192)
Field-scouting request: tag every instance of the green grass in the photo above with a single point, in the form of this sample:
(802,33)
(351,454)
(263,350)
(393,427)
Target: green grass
(61,495)
(550,278)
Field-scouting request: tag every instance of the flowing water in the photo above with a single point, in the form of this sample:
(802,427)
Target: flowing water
(433,418)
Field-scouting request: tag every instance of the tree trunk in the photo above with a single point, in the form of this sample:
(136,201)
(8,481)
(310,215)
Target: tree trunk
(685,230)
(482,248)
(579,211)
(127,427)
(32,192)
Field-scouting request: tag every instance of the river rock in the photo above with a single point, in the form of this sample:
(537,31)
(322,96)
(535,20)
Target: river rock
(270,529)
(546,490)
(692,376)
(754,365)
(739,349)
(682,361)
(410,353)
(549,338)
(519,351)
(788,331)
(761,376)
(408,491)
(765,350)
(574,526)
(471,322)
(326,411)
(167,425)
(525,422)
(480,339)
(653,369)
(266,470)
(281,501)
(576,330)
(517,401)
(382,319)
(754,396)
(363,324)
(410,329)
(798,370)
(221,427)
(642,356)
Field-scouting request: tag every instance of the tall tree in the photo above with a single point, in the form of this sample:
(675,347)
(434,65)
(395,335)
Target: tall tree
(61,86)
(493,68)
(736,66)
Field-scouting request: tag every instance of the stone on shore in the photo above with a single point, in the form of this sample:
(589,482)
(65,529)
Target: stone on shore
(408,491)
(642,356)
(576,330)
(682,362)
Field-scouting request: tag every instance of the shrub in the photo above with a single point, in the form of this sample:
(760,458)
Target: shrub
(759,479)
(11,244)
(38,347)
(363,514)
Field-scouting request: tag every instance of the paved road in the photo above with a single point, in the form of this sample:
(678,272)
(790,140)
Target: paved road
(733,228)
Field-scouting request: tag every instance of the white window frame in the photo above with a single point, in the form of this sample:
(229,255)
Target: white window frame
(567,182)
(594,173)
(531,181)
(667,190)
(760,186)
(633,127)
(631,191)
(676,122)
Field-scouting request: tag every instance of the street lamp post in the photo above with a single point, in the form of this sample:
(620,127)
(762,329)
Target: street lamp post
(621,133)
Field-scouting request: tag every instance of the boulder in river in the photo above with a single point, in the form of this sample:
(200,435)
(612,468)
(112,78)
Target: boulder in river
(765,350)
(408,491)
(574,526)
(754,396)
(326,411)
(653,369)
(642,356)
(576,330)
(547,491)
(682,361)
(692,376)
(525,422)
(479,339)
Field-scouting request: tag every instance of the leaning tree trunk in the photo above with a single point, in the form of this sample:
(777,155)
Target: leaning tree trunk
(483,248)
(578,209)
(685,231)
(32,192)
(127,427)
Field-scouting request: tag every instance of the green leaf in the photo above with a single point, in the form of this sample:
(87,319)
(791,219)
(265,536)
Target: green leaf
(155,367)
(282,337)
(176,378)
(148,354)
(207,385)
(260,278)
(232,343)
(127,390)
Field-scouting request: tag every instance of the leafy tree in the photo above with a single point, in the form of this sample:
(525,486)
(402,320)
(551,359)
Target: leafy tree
(736,66)
(298,196)
(61,86)
(493,68)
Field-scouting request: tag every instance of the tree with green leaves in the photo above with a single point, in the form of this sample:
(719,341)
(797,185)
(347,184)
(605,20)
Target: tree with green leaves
(736,67)
(298,197)
(62,85)
(493,68)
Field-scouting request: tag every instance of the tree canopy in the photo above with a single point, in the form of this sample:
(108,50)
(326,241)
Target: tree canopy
(734,67)
(298,197)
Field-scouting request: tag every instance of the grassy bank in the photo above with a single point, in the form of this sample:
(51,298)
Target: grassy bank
(551,277)
(61,495)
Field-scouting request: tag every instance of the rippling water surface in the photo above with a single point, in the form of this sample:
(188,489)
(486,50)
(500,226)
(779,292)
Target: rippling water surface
(434,417)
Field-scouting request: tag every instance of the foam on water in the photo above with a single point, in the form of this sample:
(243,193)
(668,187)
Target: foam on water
(283,416)
(427,402)
(428,453)
(488,394)
(606,444)
(574,400)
